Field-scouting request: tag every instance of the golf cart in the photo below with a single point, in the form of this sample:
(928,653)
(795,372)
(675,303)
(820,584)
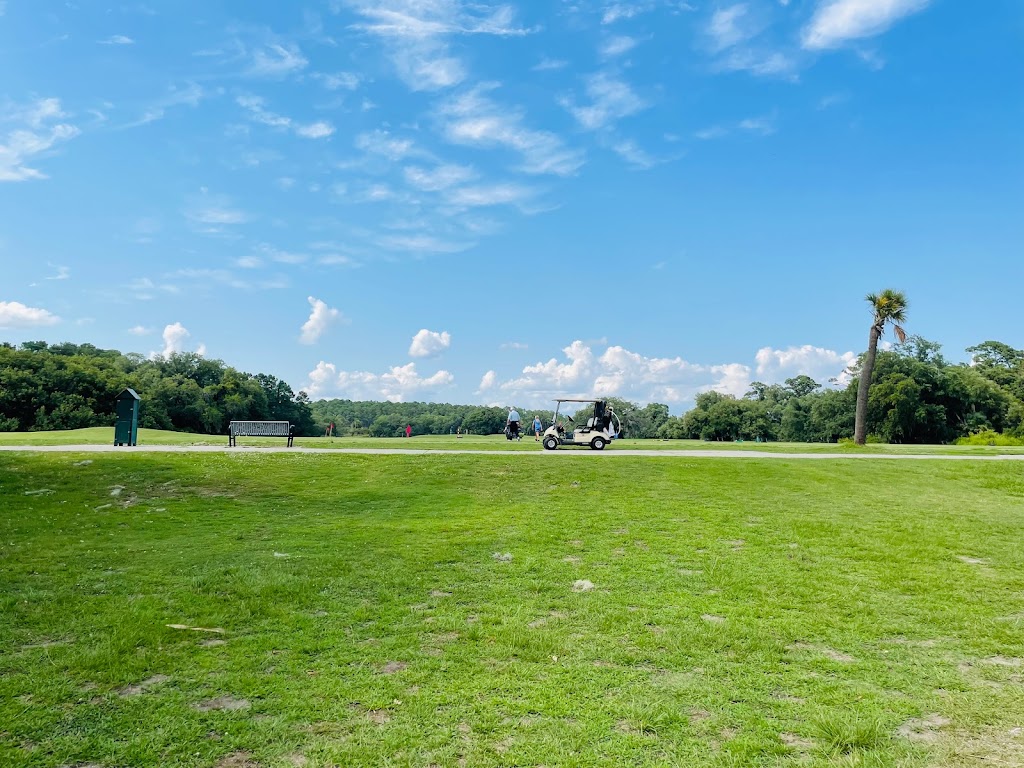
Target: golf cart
(599,430)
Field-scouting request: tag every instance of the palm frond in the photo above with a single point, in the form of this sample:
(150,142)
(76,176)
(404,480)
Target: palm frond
(900,333)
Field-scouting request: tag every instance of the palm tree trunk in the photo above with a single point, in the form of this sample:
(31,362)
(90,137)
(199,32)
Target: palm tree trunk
(860,428)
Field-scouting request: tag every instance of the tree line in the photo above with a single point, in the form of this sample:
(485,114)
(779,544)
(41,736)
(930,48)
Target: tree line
(915,396)
(70,386)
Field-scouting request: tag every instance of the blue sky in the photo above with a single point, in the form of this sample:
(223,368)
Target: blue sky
(494,203)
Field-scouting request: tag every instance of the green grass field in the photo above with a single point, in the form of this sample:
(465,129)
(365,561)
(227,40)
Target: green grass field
(437,611)
(105,435)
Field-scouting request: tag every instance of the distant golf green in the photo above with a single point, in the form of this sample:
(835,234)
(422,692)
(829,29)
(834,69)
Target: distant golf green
(244,610)
(105,436)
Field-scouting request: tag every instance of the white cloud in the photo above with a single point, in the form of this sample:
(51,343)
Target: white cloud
(611,99)
(140,330)
(14,314)
(622,373)
(397,385)
(117,40)
(381,142)
(761,63)
(838,21)
(729,26)
(217,215)
(347,81)
(317,130)
(36,131)
(429,343)
(439,178)
(634,155)
(476,120)
(774,365)
(422,243)
(63,273)
(257,110)
(547,65)
(616,46)
(493,194)
(515,345)
(174,336)
(487,381)
(320,318)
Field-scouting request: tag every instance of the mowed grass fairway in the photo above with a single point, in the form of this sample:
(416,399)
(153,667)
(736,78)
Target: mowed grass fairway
(150,437)
(430,611)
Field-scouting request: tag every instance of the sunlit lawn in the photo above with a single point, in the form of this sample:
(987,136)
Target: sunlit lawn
(438,610)
(105,435)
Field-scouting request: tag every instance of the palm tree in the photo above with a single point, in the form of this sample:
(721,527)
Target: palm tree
(889,307)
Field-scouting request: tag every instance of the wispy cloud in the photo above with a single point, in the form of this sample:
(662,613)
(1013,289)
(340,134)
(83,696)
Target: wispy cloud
(63,273)
(14,314)
(616,46)
(422,244)
(475,119)
(438,178)
(117,40)
(190,95)
(487,195)
(37,129)
(634,155)
(256,107)
(346,81)
(611,98)
(547,65)
(321,317)
(763,125)
(213,214)
(140,330)
(730,26)
(381,142)
(276,61)
(416,33)
(837,22)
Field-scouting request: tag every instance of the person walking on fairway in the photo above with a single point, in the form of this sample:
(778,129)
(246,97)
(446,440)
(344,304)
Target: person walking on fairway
(512,423)
(408,430)
(537,427)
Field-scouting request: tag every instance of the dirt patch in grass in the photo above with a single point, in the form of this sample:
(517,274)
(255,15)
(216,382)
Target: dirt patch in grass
(237,760)
(379,716)
(223,702)
(797,742)
(972,560)
(141,687)
(997,747)
(212,642)
(824,650)
(1003,661)
(439,593)
(923,730)
(392,667)
(712,619)
(582,585)
(571,559)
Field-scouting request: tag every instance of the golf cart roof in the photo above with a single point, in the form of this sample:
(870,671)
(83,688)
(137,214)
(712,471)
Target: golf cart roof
(577,400)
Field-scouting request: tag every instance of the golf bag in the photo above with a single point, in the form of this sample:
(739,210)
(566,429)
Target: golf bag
(512,431)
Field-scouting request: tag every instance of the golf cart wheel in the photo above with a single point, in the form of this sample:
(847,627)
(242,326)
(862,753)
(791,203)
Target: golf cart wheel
(597,443)
(550,443)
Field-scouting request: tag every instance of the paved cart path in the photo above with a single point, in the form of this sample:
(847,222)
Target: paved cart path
(673,454)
